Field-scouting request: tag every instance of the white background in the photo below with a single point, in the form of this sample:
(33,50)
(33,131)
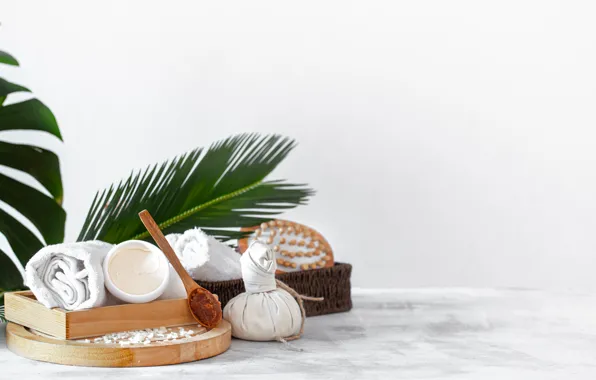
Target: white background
(451,142)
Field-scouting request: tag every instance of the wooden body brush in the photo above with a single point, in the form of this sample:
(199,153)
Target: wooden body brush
(296,246)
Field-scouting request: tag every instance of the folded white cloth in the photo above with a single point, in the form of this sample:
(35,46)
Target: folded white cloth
(68,275)
(204,257)
(258,268)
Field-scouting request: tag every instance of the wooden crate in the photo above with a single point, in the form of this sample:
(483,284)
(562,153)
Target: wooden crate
(24,309)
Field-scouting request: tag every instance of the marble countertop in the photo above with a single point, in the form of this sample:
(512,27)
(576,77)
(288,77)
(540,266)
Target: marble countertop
(390,334)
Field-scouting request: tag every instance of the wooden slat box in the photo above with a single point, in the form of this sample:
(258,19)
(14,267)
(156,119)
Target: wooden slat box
(24,309)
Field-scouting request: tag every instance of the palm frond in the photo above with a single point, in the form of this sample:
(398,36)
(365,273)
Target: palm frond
(219,189)
(43,211)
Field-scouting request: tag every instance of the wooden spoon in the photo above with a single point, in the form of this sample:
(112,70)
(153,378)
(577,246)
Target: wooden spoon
(205,306)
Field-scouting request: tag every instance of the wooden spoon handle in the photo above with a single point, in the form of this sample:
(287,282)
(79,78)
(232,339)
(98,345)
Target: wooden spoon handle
(162,243)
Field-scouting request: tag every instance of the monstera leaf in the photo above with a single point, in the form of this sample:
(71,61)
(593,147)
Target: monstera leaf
(42,210)
(219,189)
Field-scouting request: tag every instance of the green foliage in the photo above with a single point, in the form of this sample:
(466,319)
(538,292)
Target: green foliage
(8,59)
(219,189)
(42,210)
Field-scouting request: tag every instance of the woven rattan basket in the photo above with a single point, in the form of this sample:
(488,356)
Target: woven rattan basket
(331,283)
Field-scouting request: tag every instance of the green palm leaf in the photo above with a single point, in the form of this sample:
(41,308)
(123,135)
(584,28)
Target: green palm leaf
(7,87)
(219,189)
(42,210)
(41,164)
(29,115)
(11,277)
(8,59)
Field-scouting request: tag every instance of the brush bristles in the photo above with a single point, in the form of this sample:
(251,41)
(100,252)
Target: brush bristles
(297,247)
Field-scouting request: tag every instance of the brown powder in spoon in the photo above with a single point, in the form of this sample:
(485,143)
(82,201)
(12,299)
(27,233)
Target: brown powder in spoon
(205,307)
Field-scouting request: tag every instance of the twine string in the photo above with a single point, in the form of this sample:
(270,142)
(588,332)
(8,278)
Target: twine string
(300,299)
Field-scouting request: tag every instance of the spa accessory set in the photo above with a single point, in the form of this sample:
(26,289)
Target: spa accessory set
(117,285)
(114,299)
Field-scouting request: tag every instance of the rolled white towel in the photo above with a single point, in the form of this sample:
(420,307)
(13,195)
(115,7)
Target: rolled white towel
(204,257)
(68,275)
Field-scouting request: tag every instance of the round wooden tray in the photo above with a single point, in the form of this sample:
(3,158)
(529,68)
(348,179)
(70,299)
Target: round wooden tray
(33,345)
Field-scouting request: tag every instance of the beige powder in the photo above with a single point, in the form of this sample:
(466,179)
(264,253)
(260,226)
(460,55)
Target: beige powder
(136,270)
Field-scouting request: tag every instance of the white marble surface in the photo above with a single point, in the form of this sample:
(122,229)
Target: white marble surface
(405,334)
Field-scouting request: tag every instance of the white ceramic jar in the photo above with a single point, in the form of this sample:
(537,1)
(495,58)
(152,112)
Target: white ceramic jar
(136,271)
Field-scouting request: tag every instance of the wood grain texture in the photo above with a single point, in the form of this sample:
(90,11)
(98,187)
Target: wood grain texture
(26,343)
(102,320)
(24,309)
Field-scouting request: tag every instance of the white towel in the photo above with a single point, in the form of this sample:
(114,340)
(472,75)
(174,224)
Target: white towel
(68,275)
(204,257)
